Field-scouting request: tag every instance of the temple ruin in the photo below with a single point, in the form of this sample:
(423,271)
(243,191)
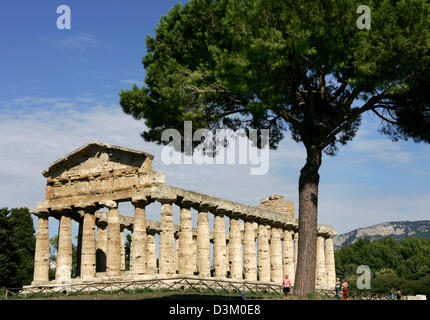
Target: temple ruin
(260,247)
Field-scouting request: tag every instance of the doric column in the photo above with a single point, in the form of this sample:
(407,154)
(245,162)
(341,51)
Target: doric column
(64,258)
(122,241)
(296,248)
(175,255)
(235,249)
(203,244)
(194,257)
(288,255)
(101,246)
(228,254)
(88,256)
(263,253)
(249,253)
(113,256)
(330,262)
(320,273)
(219,246)
(276,256)
(151,254)
(166,249)
(138,247)
(41,255)
(179,258)
(186,244)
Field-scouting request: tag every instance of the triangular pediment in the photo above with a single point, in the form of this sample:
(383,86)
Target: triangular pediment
(96,157)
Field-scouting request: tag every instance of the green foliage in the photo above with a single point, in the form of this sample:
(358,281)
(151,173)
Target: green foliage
(279,65)
(17,243)
(127,246)
(393,264)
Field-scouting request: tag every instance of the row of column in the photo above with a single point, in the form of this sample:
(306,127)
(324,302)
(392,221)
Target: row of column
(275,256)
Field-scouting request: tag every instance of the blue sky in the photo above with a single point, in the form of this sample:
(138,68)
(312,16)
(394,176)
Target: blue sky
(59,90)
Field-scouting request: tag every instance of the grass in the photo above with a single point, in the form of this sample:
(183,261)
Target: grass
(164,294)
(140,294)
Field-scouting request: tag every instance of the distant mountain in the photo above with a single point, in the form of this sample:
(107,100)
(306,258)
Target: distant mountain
(398,230)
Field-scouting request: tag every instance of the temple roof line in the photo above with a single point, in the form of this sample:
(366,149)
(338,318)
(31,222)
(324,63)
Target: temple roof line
(45,173)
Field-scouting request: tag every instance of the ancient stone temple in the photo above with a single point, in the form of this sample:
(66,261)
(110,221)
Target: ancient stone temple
(260,247)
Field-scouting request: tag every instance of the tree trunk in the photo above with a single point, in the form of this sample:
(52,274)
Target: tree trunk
(308,205)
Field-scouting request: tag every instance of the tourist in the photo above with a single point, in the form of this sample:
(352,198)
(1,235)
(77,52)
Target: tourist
(345,289)
(393,293)
(337,287)
(286,285)
(399,294)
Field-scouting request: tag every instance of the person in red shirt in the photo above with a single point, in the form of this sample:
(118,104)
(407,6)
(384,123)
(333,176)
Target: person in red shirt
(286,285)
(345,289)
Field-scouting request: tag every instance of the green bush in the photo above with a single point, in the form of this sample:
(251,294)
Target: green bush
(401,265)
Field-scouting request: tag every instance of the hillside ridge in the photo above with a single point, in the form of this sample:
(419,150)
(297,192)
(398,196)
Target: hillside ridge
(396,229)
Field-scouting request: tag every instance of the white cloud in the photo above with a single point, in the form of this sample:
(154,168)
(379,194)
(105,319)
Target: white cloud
(382,149)
(80,41)
(38,101)
(75,47)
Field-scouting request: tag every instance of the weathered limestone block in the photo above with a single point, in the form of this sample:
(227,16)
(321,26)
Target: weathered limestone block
(179,252)
(88,261)
(330,263)
(229,256)
(194,258)
(235,249)
(166,249)
(101,247)
(320,273)
(151,260)
(203,245)
(288,255)
(41,256)
(113,256)
(98,168)
(127,222)
(106,185)
(277,203)
(249,252)
(276,256)
(138,239)
(296,248)
(219,246)
(263,253)
(186,244)
(64,257)
(175,255)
